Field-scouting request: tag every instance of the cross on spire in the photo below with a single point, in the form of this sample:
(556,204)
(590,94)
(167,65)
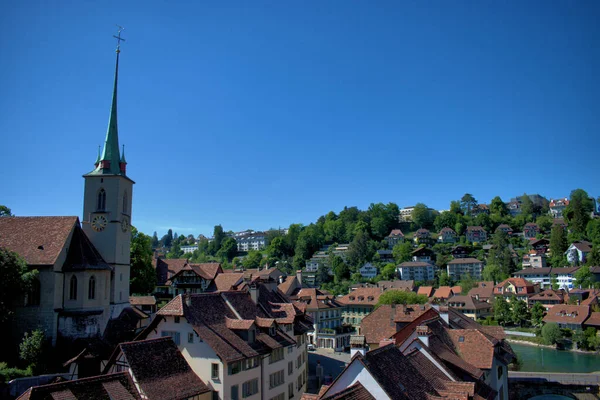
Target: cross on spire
(119,38)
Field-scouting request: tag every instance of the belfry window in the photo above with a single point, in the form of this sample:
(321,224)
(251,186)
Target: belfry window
(101,206)
(92,288)
(73,288)
(125,201)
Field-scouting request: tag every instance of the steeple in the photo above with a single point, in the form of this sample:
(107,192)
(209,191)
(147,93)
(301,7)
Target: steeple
(110,159)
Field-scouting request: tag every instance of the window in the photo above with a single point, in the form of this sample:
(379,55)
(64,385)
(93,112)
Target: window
(101,204)
(177,320)
(276,379)
(92,288)
(191,337)
(276,355)
(73,288)
(250,388)
(125,203)
(174,335)
(290,367)
(34,294)
(290,390)
(214,371)
(299,382)
(280,396)
(234,392)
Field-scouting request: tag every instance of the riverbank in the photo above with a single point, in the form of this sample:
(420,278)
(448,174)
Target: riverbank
(544,358)
(532,343)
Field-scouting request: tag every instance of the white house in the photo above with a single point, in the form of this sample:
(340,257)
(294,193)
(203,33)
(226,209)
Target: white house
(368,271)
(578,251)
(463,266)
(416,270)
(237,346)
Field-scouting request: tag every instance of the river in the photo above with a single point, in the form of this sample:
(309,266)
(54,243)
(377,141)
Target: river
(542,359)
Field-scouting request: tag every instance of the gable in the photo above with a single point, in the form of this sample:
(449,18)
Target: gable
(356,372)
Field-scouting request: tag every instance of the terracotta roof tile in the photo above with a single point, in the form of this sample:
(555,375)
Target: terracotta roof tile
(425,291)
(117,386)
(355,392)
(443,292)
(39,240)
(365,296)
(166,268)
(407,285)
(593,320)
(142,300)
(227,281)
(567,314)
(396,232)
(381,323)
(239,324)
(173,308)
(468,303)
(161,371)
(287,284)
(484,290)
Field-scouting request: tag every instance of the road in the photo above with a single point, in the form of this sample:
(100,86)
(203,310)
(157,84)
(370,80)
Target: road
(560,377)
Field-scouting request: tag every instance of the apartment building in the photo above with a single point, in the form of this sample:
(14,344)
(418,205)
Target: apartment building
(463,266)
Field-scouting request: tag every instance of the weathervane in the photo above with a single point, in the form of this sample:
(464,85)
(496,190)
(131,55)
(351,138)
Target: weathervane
(119,38)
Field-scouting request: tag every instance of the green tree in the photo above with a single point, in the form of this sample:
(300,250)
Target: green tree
(544,222)
(593,231)
(218,237)
(445,279)
(498,207)
(154,240)
(359,250)
(584,277)
(520,312)
(537,314)
(323,275)
(401,252)
(468,203)
(558,246)
(421,216)
(5,211)
(16,280)
(551,333)
(502,312)
(445,220)
(466,283)
(401,297)
(175,251)
(277,248)
(554,282)
(526,207)
(31,349)
(501,256)
(455,207)
(292,237)
(388,272)
(383,218)
(578,213)
(252,260)
(228,249)
(143,275)
(593,257)
(341,271)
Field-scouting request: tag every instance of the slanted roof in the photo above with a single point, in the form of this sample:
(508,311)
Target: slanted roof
(117,386)
(484,290)
(468,303)
(396,233)
(406,285)
(443,292)
(142,300)
(161,371)
(583,246)
(167,268)
(381,323)
(355,392)
(39,240)
(361,296)
(593,320)
(425,290)
(466,260)
(287,283)
(227,281)
(567,314)
(82,254)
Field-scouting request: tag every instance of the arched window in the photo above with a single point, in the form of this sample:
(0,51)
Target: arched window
(125,201)
(101,206)
(34,293)
(92,288)
(73,288)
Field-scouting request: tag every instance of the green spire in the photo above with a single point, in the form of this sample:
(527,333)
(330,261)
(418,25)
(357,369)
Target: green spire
(98,158)
(123,156)
(111,144)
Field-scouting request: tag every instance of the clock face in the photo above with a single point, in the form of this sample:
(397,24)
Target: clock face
(125,224)
(99,223)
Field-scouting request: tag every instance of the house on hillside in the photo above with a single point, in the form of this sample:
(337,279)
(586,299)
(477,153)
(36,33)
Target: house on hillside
(568,316)
(517,287)
(504,228)
(447,235)
(464,266)
(578,252)
(548,298)
(422,254)
(422,236)
(531,230)
(470,306)
(368,271)
(557,207)
(534,259)
(416,271)
(396,236)
(476,234)
(460,251)
(358,304)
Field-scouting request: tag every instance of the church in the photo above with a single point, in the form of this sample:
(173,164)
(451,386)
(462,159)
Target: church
(84,265)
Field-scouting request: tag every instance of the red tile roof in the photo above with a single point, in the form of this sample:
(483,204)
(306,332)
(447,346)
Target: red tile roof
(474,347)
(117,386)
(161,371)
(425,290)
(288,282)
(517,283)
(593,320)
(39,240)
(468,303)
(567,314)
(484,290)
(381,323)
(317,299)
(443,292)
(364,296)
(355,392)
(167,268)
(396,232)
(142,300)
(406,285)
(228,281)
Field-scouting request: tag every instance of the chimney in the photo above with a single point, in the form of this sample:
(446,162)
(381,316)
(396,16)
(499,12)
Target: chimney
(253,289)
(281,279)
(299,277)
(423,334)
(443,311)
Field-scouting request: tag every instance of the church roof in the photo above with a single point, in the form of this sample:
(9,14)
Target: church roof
(39,240)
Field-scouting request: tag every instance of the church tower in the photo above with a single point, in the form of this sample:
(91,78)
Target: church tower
(107,207)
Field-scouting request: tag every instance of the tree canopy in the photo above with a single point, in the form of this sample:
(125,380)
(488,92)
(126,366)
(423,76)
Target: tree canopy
(16,280)
(143,275)
(401,297)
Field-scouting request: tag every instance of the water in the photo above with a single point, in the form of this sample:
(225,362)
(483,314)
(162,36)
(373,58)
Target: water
(540,359)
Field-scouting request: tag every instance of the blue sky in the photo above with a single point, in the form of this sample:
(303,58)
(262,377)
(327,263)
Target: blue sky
(261,114)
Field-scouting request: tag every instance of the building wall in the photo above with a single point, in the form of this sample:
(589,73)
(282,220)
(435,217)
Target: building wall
(455,271)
